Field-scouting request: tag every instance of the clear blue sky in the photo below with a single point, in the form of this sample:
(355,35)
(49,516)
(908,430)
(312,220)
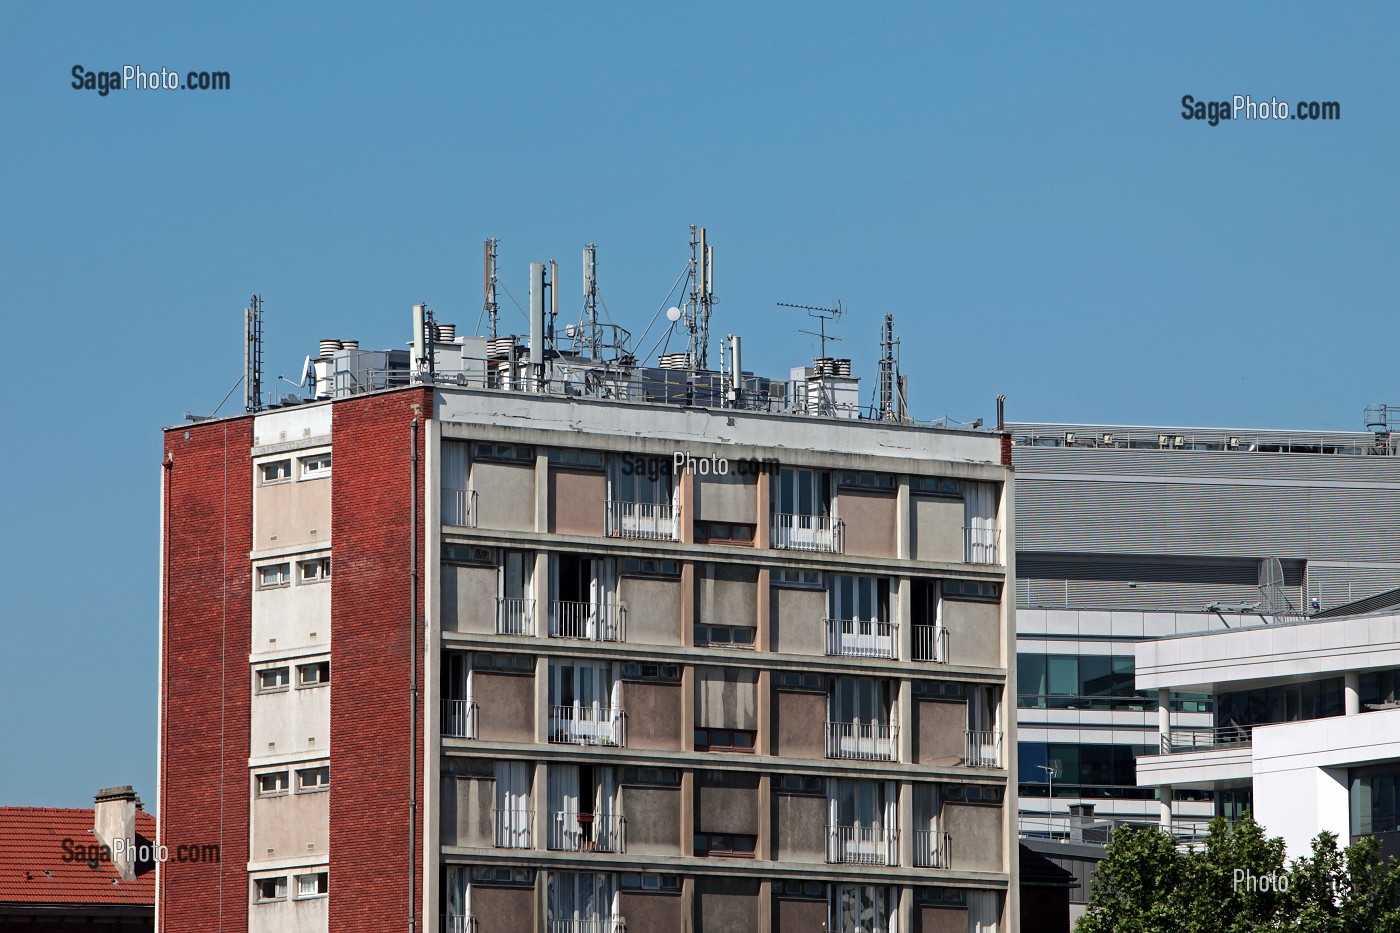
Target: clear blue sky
(1017,186)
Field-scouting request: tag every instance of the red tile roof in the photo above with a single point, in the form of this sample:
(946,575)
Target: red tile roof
(32,869)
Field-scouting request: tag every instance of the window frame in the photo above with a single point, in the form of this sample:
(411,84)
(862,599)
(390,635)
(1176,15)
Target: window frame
(261,571)
(281,887)
(307,471)
(282,791)
(261,686)
(265,480)
(318,788)
(322,882)
(323,570)
(304,684)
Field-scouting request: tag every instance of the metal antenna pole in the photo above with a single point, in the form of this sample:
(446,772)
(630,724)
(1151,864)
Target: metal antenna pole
(692,315)
(252,355)
(489,281)
(590,297)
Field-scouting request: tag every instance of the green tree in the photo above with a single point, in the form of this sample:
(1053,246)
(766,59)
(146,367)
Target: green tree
(1238,881)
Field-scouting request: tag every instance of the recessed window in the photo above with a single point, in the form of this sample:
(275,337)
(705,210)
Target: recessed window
(732,533)
(314,674)
(273,679)
(271,576)
(512,453)
(728,845)
(317,884)
(866,480)
(273,784)
(316,467)
(724,636)
(725,740)
(578,459)
(277,471)
(971,589)
(525,877)
(314,571)
(647,567)
(809,579)
(936,486)
(309,779)
(632,881)
(271,889)
(661,673)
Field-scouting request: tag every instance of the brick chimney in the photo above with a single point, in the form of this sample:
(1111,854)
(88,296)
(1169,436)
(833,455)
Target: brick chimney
(113,818)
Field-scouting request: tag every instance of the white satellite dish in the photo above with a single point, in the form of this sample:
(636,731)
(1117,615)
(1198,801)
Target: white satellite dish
(673,314)
(570,330)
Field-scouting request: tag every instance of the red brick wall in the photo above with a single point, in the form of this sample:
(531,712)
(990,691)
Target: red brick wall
(205,693)
(373,495)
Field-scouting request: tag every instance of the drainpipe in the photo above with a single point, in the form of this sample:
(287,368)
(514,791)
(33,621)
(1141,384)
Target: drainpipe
(413,668)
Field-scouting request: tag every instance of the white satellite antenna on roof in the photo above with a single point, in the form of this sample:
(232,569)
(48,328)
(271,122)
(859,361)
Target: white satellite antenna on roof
(1273,595)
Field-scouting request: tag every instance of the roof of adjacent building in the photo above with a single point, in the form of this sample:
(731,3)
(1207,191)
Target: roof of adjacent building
(33,869)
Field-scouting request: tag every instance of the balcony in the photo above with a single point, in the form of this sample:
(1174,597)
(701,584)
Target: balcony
(983,749)
(459,719)
(861,638)
(1206,738)
(649,521)
(459,923)
(808,533)
(593,621)
(870,741)
(861,844)
(857,926)
(515,615)
(587,832)
(458,507)
(587,725)
(599,925)
(932,849)
(981,545)
(931,643)
(514,828)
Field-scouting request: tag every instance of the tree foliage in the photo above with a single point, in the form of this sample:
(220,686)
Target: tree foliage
(1239,881)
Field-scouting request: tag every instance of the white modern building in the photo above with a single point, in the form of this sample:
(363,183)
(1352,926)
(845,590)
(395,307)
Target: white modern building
(1306,729)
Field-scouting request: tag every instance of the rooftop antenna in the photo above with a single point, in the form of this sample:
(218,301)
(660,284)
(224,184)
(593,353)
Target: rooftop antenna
(590,297)
(1273,595)
(702,297)
(892,402)
(822,315)
(489,281)
(252,354)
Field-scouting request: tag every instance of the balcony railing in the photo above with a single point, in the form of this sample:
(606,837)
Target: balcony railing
(808,533)
(862,638)
(587,832)
(458,923)
(981,545)
(459,719)
(515,615)
(600,925)
(983,749)
(854,926)
(872,741)
(1206,738)
(458,506)
(515,828)
(931,643)
(861,844)
(587,725)
(653,521)
(595,621)
(932,849)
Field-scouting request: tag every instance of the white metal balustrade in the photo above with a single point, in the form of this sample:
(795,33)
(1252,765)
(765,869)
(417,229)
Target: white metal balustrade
(861,844)
(515,615)
(807,533)
(931,643)
(1206,738)
(651,521)
(600,925)
(862,638)
(872,741)
(587,832)
(514,828)
(587,725)
(932,849)
(983,749)
(459,923)
(594,621)
(982,545)
(459,506)
(459,719)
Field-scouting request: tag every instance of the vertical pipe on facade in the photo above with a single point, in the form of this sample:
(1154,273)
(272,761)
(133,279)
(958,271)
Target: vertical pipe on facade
(413,662)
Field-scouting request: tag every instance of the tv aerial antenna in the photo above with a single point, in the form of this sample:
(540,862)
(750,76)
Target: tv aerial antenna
(822,315)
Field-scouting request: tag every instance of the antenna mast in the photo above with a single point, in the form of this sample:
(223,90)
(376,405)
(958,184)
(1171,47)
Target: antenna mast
(822,315)
(252,354)
(702,297)
(887,366)
(590,297)
(489,280)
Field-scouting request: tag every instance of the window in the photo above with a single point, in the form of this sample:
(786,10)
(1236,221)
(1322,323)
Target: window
(866,480)
(277,471)
(648,567)
(728,845)
(1099,766)
(661,673)
(575,459)
(799,784)
(936,486)
(467,554)
(733,533)
(313,885)
(272,784)
(808,579)
(314,571)
(950,897)
(631,881)
(654,777)
(971,589)
(791,680)
(807,890)
(972,793)
(314,674)
(724,636)
(938,689)
(1313,699)
(316,467)
(271,889)
(1066,681)
(311,779)
(273,679)
(504,663)
(725,740)
(524,877)
(272,576)
(511,453)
